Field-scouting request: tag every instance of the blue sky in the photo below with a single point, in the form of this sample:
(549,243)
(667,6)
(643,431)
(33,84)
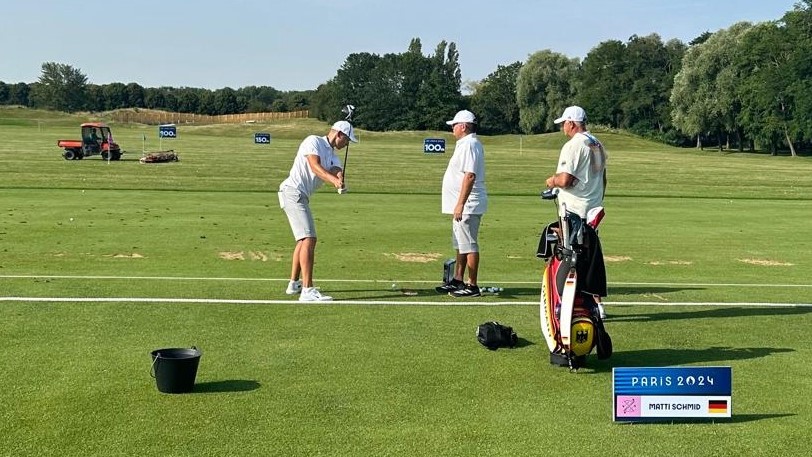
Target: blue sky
(299,44)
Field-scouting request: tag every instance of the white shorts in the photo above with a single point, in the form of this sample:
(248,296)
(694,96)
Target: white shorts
(465,233)
(297,207)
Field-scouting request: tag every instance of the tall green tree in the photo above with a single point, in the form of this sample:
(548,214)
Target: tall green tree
(325,101)
(188,99)
(19,94)
(439,95)
(651,67)
(799,27)
(61,87)
(154,98)
(545,85)
(768,99)
(722,50)
(690,111)
(603,83)
(414,68)
(354,84)
(405,91)
(258,99)
(225,101)
(5,93)
(135,95)
(704,98)
(115,96)
(94,97)
(494,101)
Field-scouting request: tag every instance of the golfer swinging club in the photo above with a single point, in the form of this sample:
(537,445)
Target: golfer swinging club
(316,162)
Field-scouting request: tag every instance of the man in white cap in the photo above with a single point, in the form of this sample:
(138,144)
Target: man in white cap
(316,162)
(581,173)
(464,197)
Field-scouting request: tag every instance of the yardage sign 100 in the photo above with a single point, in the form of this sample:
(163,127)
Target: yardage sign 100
(167,131)
(262,138)
(434,146)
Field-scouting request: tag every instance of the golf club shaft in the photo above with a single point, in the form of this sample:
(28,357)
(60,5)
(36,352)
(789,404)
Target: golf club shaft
(346,156)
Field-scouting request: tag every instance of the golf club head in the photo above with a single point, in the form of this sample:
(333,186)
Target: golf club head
(348,110)
(342,190)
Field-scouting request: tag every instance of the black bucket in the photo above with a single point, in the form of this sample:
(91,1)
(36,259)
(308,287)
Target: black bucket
(175,369)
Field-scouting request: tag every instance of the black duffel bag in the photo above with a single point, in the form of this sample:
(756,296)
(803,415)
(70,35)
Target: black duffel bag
(494,335)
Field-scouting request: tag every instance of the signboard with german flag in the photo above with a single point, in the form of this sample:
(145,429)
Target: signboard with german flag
(643,394)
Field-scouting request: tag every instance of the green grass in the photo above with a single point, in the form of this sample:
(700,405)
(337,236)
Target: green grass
(682,226)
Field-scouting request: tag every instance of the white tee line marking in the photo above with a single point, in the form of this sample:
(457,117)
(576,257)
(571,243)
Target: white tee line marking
(387,281)
(362,302)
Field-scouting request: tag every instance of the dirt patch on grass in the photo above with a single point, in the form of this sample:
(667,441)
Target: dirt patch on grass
(258,255)
(247,255)
(766,263)
(134,255)
(671,262)
(616,258)
(229,255)
(418,257)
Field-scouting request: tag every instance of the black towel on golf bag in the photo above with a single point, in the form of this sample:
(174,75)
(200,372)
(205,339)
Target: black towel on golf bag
(494,335)
(593,269)
(604,341)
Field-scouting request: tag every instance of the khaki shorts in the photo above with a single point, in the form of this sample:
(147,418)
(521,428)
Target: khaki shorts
(297,207)
(465,233)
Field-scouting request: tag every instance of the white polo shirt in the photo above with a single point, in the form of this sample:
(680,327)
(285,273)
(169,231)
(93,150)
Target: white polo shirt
(301,176)
(469,157)
(584,158)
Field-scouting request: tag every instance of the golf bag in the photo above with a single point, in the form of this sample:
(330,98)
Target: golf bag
(574,275)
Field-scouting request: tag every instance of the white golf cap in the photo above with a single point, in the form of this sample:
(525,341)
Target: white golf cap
(345,128)
(461,117)
(572,113)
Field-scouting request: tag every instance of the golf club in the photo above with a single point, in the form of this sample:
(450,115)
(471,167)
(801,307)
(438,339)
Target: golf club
(348,110)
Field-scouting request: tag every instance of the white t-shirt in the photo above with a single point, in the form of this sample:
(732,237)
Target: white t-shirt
(584,158)
(301,176)
(469,157)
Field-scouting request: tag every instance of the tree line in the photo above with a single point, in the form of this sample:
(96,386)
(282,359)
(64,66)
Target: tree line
(744,87)
(62,87)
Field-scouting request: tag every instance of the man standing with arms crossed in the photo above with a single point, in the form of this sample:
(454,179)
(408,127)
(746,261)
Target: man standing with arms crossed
(464,197)
(581,173)
(316,162)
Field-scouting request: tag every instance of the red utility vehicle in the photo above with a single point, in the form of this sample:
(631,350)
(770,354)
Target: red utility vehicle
(96,140)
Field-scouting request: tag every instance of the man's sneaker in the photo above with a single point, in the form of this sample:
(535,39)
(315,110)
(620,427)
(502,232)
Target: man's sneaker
(470,290)
(313,294)
(454,284)
(601,311)
(294,287)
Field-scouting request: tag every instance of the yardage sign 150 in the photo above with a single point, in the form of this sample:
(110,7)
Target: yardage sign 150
(434,146)
(262,138)
(167,131)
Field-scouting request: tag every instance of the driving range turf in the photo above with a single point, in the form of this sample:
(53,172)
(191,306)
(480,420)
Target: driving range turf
(707,254)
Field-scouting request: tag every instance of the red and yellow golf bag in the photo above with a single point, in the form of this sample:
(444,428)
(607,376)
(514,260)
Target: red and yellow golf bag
(574,276)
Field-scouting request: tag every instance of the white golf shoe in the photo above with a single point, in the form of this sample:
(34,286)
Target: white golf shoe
(313,294)
(294,287)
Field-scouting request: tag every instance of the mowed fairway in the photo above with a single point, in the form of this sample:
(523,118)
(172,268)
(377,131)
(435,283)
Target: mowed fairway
(708,257)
